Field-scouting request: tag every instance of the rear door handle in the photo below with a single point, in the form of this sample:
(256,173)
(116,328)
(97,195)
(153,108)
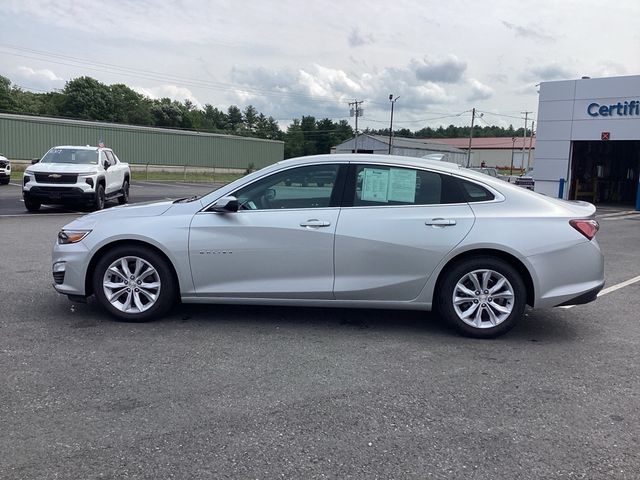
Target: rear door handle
(315,223)
(440,222)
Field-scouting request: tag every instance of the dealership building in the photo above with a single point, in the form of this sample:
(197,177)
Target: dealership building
(588,140)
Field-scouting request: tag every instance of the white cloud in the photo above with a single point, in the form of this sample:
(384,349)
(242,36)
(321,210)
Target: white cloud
(32,79)
(478,91)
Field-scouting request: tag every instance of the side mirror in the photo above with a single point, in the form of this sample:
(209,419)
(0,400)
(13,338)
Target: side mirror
(106,165)
(225,205)
(34,161)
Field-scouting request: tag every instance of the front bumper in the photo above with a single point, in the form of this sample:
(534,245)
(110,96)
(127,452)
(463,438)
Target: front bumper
(69,268)
(58,195)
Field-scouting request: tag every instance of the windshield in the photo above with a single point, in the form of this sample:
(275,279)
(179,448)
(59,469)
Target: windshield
(70,155)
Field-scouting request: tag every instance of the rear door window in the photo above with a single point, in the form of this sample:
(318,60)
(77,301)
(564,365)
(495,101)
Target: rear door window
(378,185)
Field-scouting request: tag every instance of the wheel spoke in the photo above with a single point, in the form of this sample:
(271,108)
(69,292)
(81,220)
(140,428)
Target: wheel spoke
(497,286)
(461,300)
(116,295)
(138,301)
(492,316)
(486,276)
(126,306)
(124,265)
(474,279)
(503,295)
(465,290)
(150,295)
(114,285)
(478,317)
(469,311)
(115,271)
(499,308)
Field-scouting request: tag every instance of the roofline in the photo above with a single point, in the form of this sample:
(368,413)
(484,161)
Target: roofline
(124,126)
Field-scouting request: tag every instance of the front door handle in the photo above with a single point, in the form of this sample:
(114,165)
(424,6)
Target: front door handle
(440,222)
(315,223)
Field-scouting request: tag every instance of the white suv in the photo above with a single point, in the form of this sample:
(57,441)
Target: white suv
(83,176)
(5,170)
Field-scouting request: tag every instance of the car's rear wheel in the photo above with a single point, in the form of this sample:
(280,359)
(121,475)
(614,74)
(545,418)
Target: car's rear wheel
(124,198)
(32,206)
(482,297)
(134,283)
(98,203)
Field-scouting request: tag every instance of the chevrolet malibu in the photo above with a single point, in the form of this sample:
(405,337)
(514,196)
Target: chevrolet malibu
(344,231)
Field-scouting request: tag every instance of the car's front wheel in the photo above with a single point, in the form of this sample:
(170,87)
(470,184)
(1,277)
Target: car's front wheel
(98,203)
(134,283)
(32,206)
(482,297)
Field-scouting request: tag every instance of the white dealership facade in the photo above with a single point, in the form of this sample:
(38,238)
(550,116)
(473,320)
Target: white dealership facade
(588,140)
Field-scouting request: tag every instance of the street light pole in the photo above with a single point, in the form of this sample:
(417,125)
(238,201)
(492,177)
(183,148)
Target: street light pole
(513,147)
(393,101)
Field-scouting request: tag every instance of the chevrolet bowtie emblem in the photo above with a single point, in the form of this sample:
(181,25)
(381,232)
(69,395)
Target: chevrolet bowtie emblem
(55,175)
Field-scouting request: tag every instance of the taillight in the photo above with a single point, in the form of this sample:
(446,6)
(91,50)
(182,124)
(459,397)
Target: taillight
(588,228)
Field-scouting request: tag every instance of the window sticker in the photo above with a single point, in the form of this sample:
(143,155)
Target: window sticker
(402,185)
(375,185)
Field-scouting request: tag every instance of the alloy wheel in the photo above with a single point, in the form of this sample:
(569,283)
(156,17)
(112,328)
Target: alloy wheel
(131,284)
(483,298)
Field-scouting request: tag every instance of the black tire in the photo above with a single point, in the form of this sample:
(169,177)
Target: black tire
(32,206)
(124,198)
(483,304)
(166,293)
(98,203)
(5,181)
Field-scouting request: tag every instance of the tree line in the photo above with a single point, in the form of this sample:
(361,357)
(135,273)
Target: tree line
(89,99)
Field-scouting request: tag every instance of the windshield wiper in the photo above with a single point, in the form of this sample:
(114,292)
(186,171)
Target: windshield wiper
(187,199)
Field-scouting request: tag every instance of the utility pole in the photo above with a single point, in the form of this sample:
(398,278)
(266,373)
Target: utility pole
(391,126)
(524,134)
(530,142)
(473,119)
(356,111)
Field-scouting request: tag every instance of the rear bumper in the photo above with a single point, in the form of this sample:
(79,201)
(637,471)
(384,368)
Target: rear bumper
(586,297)
(58,195)
(569,276)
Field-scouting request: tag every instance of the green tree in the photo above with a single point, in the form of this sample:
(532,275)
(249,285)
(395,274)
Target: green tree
(7,102)
(250,118)
(234,119)
(87,98)
(128,106)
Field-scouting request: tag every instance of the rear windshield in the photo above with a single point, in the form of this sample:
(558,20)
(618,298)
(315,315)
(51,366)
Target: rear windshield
(70,155)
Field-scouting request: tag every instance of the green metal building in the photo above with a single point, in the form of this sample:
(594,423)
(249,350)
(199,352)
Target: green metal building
(24,137)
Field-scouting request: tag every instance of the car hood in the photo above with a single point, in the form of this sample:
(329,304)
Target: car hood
(63,168)
(150,209)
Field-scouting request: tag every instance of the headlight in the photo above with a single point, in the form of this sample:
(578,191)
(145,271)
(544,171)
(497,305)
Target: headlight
(71,236)
(87,174)
(28,172)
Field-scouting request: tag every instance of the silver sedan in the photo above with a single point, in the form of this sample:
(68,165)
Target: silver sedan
(344,231)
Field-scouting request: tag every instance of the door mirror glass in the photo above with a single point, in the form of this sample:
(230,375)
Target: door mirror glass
(225,205)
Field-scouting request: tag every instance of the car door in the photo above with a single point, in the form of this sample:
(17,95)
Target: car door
(114,174)
(396,225)
(280,242)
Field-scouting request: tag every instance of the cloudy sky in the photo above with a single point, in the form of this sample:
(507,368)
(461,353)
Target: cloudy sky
(292,58)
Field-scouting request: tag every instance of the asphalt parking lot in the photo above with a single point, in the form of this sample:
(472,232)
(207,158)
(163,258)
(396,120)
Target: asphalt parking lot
(239,392)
